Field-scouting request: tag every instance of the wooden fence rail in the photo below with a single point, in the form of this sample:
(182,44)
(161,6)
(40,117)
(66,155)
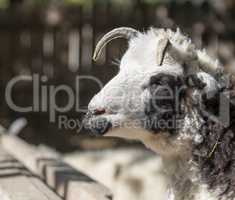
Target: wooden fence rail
(18,183)
(67,182)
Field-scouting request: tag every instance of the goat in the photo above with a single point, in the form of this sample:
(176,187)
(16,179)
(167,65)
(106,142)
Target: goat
(166,95)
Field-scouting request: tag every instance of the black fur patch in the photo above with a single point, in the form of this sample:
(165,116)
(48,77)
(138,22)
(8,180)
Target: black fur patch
(163,108)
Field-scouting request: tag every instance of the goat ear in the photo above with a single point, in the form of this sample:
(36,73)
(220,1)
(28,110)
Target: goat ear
(161,50)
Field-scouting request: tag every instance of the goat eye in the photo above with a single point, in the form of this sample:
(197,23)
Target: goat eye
(165,80)
(154,80)
(159,79)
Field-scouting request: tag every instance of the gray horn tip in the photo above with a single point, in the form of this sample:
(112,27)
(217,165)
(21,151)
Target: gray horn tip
(121,32)
(94,57)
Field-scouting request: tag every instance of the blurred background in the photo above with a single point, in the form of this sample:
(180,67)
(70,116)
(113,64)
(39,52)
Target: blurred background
(56,38)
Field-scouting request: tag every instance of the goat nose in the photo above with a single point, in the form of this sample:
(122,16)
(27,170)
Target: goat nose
(98,111)
(93,113)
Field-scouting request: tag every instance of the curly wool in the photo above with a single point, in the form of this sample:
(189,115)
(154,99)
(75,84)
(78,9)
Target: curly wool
(215,156)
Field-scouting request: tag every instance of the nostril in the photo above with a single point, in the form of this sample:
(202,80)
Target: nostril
(99,111)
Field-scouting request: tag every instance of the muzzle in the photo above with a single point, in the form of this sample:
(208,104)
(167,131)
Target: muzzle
(96,123)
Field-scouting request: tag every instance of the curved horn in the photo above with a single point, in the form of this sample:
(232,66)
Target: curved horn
(122,32)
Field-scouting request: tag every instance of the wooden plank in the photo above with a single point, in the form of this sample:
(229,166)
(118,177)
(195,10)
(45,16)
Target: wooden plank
(17,183)
(65,180)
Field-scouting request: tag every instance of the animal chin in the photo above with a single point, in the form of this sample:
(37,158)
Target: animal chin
(98,125)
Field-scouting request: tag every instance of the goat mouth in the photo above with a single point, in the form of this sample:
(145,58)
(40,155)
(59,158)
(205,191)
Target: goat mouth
(97,125)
